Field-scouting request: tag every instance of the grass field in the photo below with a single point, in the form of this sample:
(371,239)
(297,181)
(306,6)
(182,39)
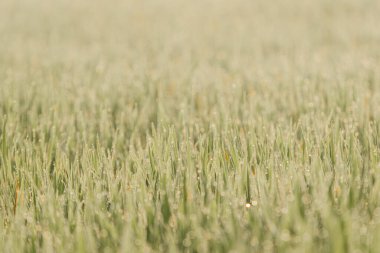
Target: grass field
(190,126)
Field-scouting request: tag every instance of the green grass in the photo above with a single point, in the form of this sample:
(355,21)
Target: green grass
(189,126)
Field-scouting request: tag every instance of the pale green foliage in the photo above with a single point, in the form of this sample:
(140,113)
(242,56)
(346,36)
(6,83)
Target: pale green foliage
(189,126)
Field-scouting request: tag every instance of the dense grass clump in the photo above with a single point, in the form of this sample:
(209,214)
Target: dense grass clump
(189,126)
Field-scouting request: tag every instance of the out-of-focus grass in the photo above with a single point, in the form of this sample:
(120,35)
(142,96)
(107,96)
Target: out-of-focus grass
(189,126)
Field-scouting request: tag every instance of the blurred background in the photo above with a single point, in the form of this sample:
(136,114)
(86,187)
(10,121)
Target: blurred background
(200,58)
